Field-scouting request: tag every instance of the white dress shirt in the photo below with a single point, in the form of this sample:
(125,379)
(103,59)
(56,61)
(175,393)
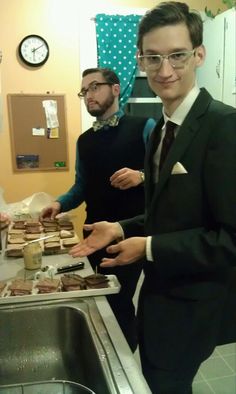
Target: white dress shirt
(177,117)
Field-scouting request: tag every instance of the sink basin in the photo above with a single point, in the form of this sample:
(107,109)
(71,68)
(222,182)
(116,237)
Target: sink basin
(52,387)
(58,340)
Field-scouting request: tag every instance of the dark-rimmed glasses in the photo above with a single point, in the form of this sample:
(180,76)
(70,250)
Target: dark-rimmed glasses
(93,88)
(176,59)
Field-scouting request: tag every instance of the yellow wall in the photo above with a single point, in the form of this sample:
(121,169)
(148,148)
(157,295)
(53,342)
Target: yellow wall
(57,22)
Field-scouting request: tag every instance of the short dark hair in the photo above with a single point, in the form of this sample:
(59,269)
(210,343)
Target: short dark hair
(108,74)
(171,13)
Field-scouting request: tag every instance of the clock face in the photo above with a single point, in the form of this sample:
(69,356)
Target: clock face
(33,50)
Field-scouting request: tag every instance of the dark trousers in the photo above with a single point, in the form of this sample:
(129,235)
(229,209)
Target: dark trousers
(166,382)
(121,303)
(175,337)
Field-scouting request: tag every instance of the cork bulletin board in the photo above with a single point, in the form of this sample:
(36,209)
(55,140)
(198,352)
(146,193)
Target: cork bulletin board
(34,145)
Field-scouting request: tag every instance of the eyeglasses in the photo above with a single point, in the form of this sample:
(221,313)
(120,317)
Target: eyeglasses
(176,59)
(93,88)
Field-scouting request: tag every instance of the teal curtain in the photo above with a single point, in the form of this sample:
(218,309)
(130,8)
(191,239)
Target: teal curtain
(116,48)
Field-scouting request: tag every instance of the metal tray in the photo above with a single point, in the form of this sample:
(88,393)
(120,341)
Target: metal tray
(113,288)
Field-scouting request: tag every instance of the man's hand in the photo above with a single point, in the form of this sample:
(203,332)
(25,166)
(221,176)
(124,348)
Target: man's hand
(4,220)
(50,211)
(102,234)
(129,251)
(125,178)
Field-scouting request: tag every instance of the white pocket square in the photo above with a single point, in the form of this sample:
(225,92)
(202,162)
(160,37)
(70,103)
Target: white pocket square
(178,169)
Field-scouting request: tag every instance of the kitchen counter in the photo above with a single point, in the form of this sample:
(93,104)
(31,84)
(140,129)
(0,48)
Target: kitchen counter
(12,267)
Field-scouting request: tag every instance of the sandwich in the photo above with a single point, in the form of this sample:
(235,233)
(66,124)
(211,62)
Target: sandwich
(14,250)
(48,285)
(72,282)
(96,281)
(20,287)
(2,286)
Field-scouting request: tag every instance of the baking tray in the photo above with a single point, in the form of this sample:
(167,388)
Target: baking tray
(113,288)
(63,248)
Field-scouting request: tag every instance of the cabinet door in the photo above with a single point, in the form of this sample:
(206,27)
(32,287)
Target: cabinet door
(210,74)
(229,86)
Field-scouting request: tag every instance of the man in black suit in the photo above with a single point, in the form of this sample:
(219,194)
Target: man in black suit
(188,231)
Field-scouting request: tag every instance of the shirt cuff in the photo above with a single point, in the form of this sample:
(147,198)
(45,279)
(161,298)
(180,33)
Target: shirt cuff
(121,235)
(149,255)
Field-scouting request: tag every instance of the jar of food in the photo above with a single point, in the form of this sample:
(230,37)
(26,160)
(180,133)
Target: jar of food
(32,253)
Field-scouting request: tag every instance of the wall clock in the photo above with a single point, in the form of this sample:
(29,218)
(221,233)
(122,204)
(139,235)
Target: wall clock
(33,50)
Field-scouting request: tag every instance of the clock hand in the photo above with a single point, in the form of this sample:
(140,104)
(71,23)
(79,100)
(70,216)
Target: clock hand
(35,49)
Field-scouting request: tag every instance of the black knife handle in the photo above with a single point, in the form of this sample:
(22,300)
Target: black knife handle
(70,267)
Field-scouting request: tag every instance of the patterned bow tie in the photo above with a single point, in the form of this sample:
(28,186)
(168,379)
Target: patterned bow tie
(112,122)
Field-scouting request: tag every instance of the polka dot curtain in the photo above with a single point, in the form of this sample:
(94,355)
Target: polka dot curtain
(116,48)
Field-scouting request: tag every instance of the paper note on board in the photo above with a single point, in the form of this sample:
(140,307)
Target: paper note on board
(50,108)
(38,131)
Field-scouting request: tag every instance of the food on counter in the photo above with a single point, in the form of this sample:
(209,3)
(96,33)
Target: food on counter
(14,250)
(32,223)
(52,247)
(65,224)
(48,285)
(2,286)
(20,287)
(69,282)
(96,281)
(50,225)
(22,231)
(13,231)
(72,282)
(19,224)
(32,229)
(47,222)
(68,242)
(66,234)
(15,236)
(31,237)
(13,240)
(54,233)
(53,239)
(51,229)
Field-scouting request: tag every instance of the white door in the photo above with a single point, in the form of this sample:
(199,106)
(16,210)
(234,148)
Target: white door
(210,74)
(229,85)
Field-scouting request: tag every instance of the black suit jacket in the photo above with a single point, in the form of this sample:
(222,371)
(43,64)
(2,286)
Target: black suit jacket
(192,220)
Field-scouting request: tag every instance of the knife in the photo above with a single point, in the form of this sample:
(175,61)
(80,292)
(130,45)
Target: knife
(38,239)
(70,267)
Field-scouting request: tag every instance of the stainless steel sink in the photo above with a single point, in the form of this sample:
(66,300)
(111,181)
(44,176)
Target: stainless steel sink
(58,340)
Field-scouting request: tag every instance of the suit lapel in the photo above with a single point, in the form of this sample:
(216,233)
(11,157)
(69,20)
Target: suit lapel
(186,133)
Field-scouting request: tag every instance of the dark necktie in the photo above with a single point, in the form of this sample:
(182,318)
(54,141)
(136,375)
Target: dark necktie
(112,122)
(167,142)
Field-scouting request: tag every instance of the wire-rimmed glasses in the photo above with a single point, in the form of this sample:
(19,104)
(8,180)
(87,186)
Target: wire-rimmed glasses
(92,88)
(176,59)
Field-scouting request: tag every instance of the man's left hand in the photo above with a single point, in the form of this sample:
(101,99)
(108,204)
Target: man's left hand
(125,178)
(129,251)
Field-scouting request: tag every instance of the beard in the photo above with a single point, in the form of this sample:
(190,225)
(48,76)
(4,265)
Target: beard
(103,107)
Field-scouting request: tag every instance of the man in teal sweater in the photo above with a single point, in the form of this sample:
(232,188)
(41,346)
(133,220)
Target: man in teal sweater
(109,178)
